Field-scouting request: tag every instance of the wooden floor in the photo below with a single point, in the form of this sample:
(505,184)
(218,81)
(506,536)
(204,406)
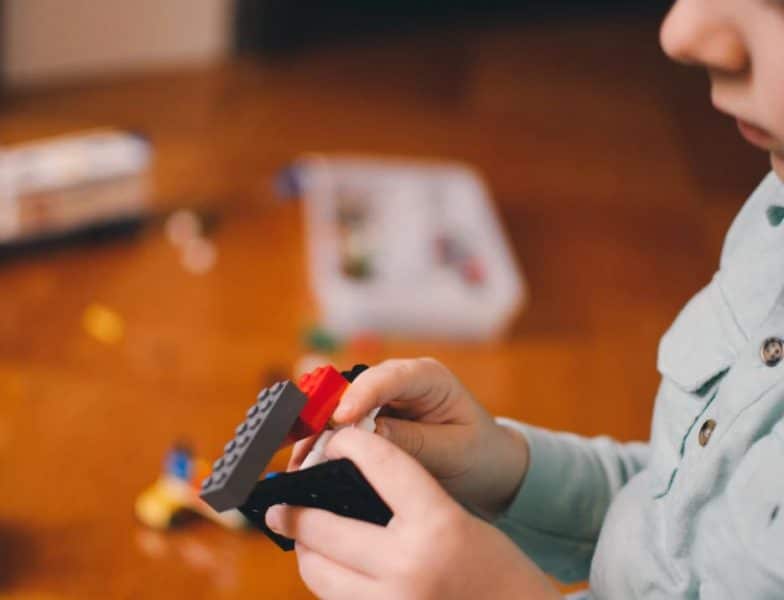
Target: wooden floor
(615,181)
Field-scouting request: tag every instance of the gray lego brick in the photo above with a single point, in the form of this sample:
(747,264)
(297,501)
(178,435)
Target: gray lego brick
(257,439)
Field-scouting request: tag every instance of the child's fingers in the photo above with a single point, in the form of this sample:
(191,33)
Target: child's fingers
(360,546)
(432,445)
(401,481)
(423,380)
(327,579)
(299,451)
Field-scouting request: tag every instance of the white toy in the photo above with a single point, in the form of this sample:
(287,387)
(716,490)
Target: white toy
(406,248)
(316,454)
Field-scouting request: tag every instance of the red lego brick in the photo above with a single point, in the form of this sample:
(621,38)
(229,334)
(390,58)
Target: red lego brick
(323,387)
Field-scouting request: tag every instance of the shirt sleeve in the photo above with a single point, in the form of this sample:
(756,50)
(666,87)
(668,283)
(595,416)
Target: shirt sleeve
(558,511)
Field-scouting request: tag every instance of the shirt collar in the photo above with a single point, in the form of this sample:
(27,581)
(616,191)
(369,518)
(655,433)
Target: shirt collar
(751,274)
(717,323)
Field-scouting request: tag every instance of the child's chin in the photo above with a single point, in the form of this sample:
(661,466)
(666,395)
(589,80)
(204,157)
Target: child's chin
(777,161)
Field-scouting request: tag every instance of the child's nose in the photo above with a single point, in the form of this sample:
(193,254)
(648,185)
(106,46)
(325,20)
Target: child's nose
(693,33)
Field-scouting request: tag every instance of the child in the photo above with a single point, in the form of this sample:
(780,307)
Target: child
(696,512)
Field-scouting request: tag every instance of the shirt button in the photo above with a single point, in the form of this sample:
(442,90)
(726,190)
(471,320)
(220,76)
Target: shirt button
(706,431)
(772,351)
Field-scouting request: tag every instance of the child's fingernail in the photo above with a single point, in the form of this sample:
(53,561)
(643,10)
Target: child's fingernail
(273,518)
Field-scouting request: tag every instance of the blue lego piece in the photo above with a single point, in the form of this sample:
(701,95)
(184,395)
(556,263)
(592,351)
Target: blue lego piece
(179,462)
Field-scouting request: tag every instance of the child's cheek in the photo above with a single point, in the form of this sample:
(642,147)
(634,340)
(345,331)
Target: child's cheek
(778,114)
(773,100)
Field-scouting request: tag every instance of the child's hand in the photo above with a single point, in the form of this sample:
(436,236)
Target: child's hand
(436,420)
(431,548)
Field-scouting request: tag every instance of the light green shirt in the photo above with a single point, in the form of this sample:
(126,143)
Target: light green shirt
(698,511)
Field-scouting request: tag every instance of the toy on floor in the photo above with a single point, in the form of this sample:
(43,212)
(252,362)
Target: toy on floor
(177,491)
(404,247)
(283,414)
(67,187)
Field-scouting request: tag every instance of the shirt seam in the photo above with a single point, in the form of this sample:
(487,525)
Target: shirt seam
(682,450)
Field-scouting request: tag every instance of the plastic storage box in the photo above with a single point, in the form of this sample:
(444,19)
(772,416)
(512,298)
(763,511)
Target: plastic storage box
(406,248)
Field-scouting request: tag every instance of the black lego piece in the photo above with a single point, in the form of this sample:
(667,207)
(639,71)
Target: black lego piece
(355,372)
(336,485)
(257,439)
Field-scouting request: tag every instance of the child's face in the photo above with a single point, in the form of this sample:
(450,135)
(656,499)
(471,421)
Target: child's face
(741,44)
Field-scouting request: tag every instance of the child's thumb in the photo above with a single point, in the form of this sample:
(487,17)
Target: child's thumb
(407,435)
(439,447)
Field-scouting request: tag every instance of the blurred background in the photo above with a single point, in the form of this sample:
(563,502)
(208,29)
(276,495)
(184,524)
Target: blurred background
(156,275)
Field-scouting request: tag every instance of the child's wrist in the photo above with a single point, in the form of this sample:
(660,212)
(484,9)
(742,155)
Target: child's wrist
(509,465)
